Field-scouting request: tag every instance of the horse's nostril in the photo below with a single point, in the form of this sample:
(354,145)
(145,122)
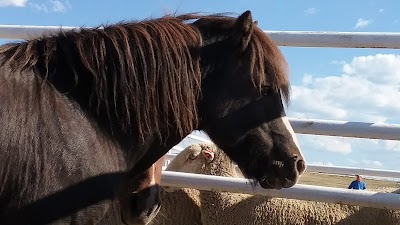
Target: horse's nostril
(301,166)
(295,157)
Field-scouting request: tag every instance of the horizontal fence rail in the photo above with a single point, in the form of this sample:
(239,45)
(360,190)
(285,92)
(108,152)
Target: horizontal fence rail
(207,140)
(346,129)
(381,131)
(282,38)
(352,171)
(336,39)
(336,169)
(28,32)
(299,191)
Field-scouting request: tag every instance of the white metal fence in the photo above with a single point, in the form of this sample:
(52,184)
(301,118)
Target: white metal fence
(282,38)
(303,126)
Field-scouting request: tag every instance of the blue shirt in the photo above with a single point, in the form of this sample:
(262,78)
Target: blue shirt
(358,185)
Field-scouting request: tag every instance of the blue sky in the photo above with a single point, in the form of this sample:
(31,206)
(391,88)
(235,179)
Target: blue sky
(343,84)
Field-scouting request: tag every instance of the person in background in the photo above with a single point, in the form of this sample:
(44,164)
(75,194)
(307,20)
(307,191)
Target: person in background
(358,184)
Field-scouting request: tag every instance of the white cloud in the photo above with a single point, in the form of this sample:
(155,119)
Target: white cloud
(365,163)
(381,10)
(307,79)
(392,145)
(326,144)
(15,3)
(362,23)
(338,62)
(367,90)
(39,7)
(58,6)
(52,6)
(371,163)
(352,161)
(310,11)
(380,68)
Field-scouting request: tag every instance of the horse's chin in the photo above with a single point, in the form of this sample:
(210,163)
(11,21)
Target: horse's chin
(276,183)
(272,181)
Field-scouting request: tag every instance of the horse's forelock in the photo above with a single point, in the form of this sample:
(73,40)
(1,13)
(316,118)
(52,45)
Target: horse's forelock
(268,64)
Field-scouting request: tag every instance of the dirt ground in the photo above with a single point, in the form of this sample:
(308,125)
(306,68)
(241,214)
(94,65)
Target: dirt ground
(328,180)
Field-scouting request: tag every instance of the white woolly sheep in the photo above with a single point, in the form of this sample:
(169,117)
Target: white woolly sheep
(225,208)
(180,206)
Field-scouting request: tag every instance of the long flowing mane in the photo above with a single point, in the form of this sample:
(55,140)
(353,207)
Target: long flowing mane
(144,73)
(269,64)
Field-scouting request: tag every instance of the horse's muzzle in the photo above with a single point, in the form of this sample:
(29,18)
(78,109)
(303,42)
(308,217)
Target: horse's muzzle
(283,174)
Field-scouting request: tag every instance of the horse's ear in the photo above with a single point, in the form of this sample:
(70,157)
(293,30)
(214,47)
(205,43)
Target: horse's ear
(243,29)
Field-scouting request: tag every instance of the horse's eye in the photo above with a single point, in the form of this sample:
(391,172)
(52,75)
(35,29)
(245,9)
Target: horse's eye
(192,156)
(267,90)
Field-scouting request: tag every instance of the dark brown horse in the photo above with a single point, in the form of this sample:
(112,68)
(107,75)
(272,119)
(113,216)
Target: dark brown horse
(83,112)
